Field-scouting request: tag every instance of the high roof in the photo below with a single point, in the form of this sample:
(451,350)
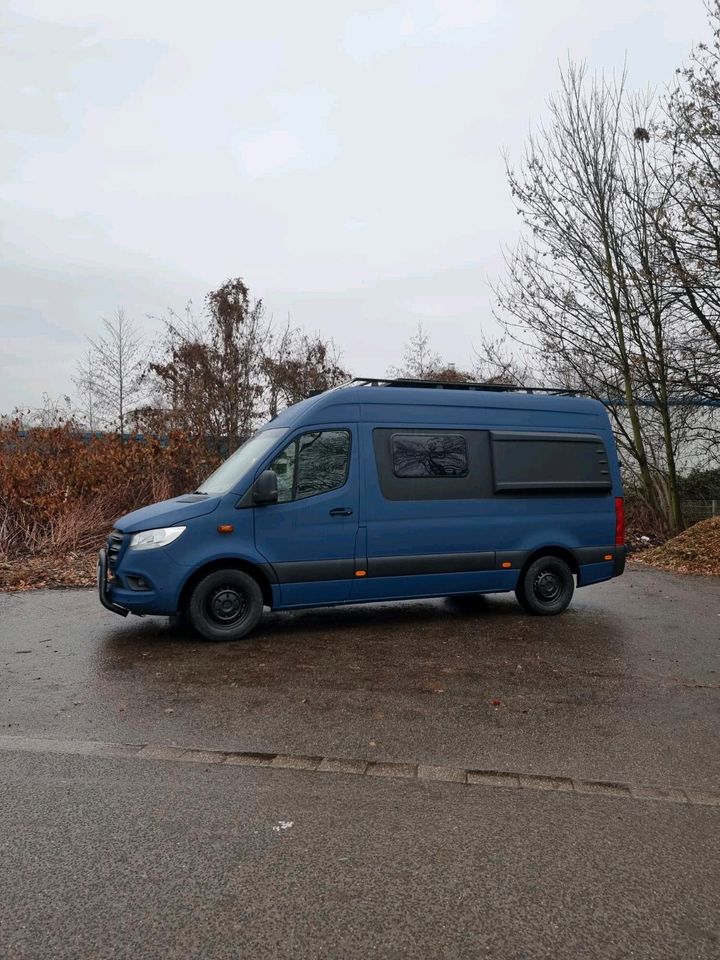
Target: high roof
(427,393)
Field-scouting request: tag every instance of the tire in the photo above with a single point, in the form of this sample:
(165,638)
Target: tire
(546,587)
(225,605)
(519,596)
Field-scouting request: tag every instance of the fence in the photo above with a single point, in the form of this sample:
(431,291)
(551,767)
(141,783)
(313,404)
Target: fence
(694,510)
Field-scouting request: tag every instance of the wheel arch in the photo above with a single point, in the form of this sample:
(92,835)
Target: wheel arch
(223,563)
(554,550)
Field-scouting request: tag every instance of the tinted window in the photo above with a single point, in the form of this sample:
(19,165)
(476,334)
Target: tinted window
(429,455)
(312,463)
(546,462)
(432,464)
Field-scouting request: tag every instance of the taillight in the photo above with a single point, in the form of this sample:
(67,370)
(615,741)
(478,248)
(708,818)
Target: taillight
(619,522)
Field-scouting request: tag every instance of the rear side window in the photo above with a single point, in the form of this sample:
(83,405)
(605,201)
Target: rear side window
(432,464)
(429,455)
(548,461)
(312,463)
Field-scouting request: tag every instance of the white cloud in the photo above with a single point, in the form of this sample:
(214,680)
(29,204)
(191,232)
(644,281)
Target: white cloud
(268,151)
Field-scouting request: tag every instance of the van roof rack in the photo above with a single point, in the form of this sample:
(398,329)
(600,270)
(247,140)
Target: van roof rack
(458,385)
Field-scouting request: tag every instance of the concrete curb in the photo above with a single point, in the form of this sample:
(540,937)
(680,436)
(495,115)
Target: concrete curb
(358,767)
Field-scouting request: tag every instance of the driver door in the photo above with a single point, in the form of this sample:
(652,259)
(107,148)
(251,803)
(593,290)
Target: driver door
(308,536)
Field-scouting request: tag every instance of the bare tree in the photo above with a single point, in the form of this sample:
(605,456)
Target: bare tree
(117,363)
(297,364)
(278,355)
(451,373)
(53,412)
(498,361)
(207,379)
(650,305)
(238,332)
(586,287)
(87,386)
(691,175)
(420,361)
(495,361)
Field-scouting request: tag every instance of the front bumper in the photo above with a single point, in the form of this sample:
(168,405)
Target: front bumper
(139,582)
(103,588)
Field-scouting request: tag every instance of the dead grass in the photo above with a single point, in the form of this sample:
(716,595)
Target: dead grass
(48,571)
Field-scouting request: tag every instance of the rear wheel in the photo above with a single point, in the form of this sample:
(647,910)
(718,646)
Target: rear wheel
(546,587)
(225,605)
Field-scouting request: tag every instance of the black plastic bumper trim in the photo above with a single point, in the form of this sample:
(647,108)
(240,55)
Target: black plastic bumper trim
(585,555)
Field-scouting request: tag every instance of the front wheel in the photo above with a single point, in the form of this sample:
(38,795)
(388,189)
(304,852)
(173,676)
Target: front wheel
(225,605)
(546,587)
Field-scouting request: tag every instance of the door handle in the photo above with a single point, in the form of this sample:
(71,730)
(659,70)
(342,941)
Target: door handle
(341,512)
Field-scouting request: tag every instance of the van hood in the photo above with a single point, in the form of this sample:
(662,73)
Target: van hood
(167,513)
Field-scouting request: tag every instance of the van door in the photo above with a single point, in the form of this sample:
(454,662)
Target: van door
(308,536)
(431,525)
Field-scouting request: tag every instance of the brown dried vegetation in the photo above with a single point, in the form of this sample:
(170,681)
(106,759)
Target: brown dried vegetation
(61,492)
(695,550)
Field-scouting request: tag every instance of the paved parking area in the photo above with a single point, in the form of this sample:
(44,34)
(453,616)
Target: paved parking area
(624,686)
(149,779)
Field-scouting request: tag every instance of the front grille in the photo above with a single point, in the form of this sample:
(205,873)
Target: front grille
(114,546)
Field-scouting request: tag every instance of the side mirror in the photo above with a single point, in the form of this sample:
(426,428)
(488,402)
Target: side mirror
(265,488)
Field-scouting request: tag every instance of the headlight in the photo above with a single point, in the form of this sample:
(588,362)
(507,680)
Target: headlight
(149,539)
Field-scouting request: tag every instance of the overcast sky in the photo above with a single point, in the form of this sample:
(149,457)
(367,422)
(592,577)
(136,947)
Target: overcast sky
(343,156)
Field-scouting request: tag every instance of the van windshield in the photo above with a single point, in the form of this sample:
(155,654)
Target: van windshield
(240,462)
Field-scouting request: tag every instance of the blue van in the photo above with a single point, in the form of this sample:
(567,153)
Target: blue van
(383,490)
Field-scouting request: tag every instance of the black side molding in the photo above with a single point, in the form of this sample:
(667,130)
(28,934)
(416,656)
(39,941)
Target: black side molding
(308,571)
(430,563)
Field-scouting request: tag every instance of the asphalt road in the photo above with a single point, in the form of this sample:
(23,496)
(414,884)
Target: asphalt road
(126,854)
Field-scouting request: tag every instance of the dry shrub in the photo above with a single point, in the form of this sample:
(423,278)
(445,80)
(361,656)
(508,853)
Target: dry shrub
(644,528)
(60,492)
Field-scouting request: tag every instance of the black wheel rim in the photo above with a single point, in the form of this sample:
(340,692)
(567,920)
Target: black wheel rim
(547,586)
(226,606)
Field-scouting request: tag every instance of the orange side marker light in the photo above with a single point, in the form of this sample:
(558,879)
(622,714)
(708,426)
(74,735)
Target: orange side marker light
(361,573)
(608,556)
(225,528)
(506,565)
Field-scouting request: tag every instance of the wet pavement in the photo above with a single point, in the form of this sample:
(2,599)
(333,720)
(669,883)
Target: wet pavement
(113,856)
(624,686)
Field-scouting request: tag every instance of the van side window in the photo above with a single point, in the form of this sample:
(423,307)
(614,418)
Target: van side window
(430,463)
(429,455)
(312,463)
